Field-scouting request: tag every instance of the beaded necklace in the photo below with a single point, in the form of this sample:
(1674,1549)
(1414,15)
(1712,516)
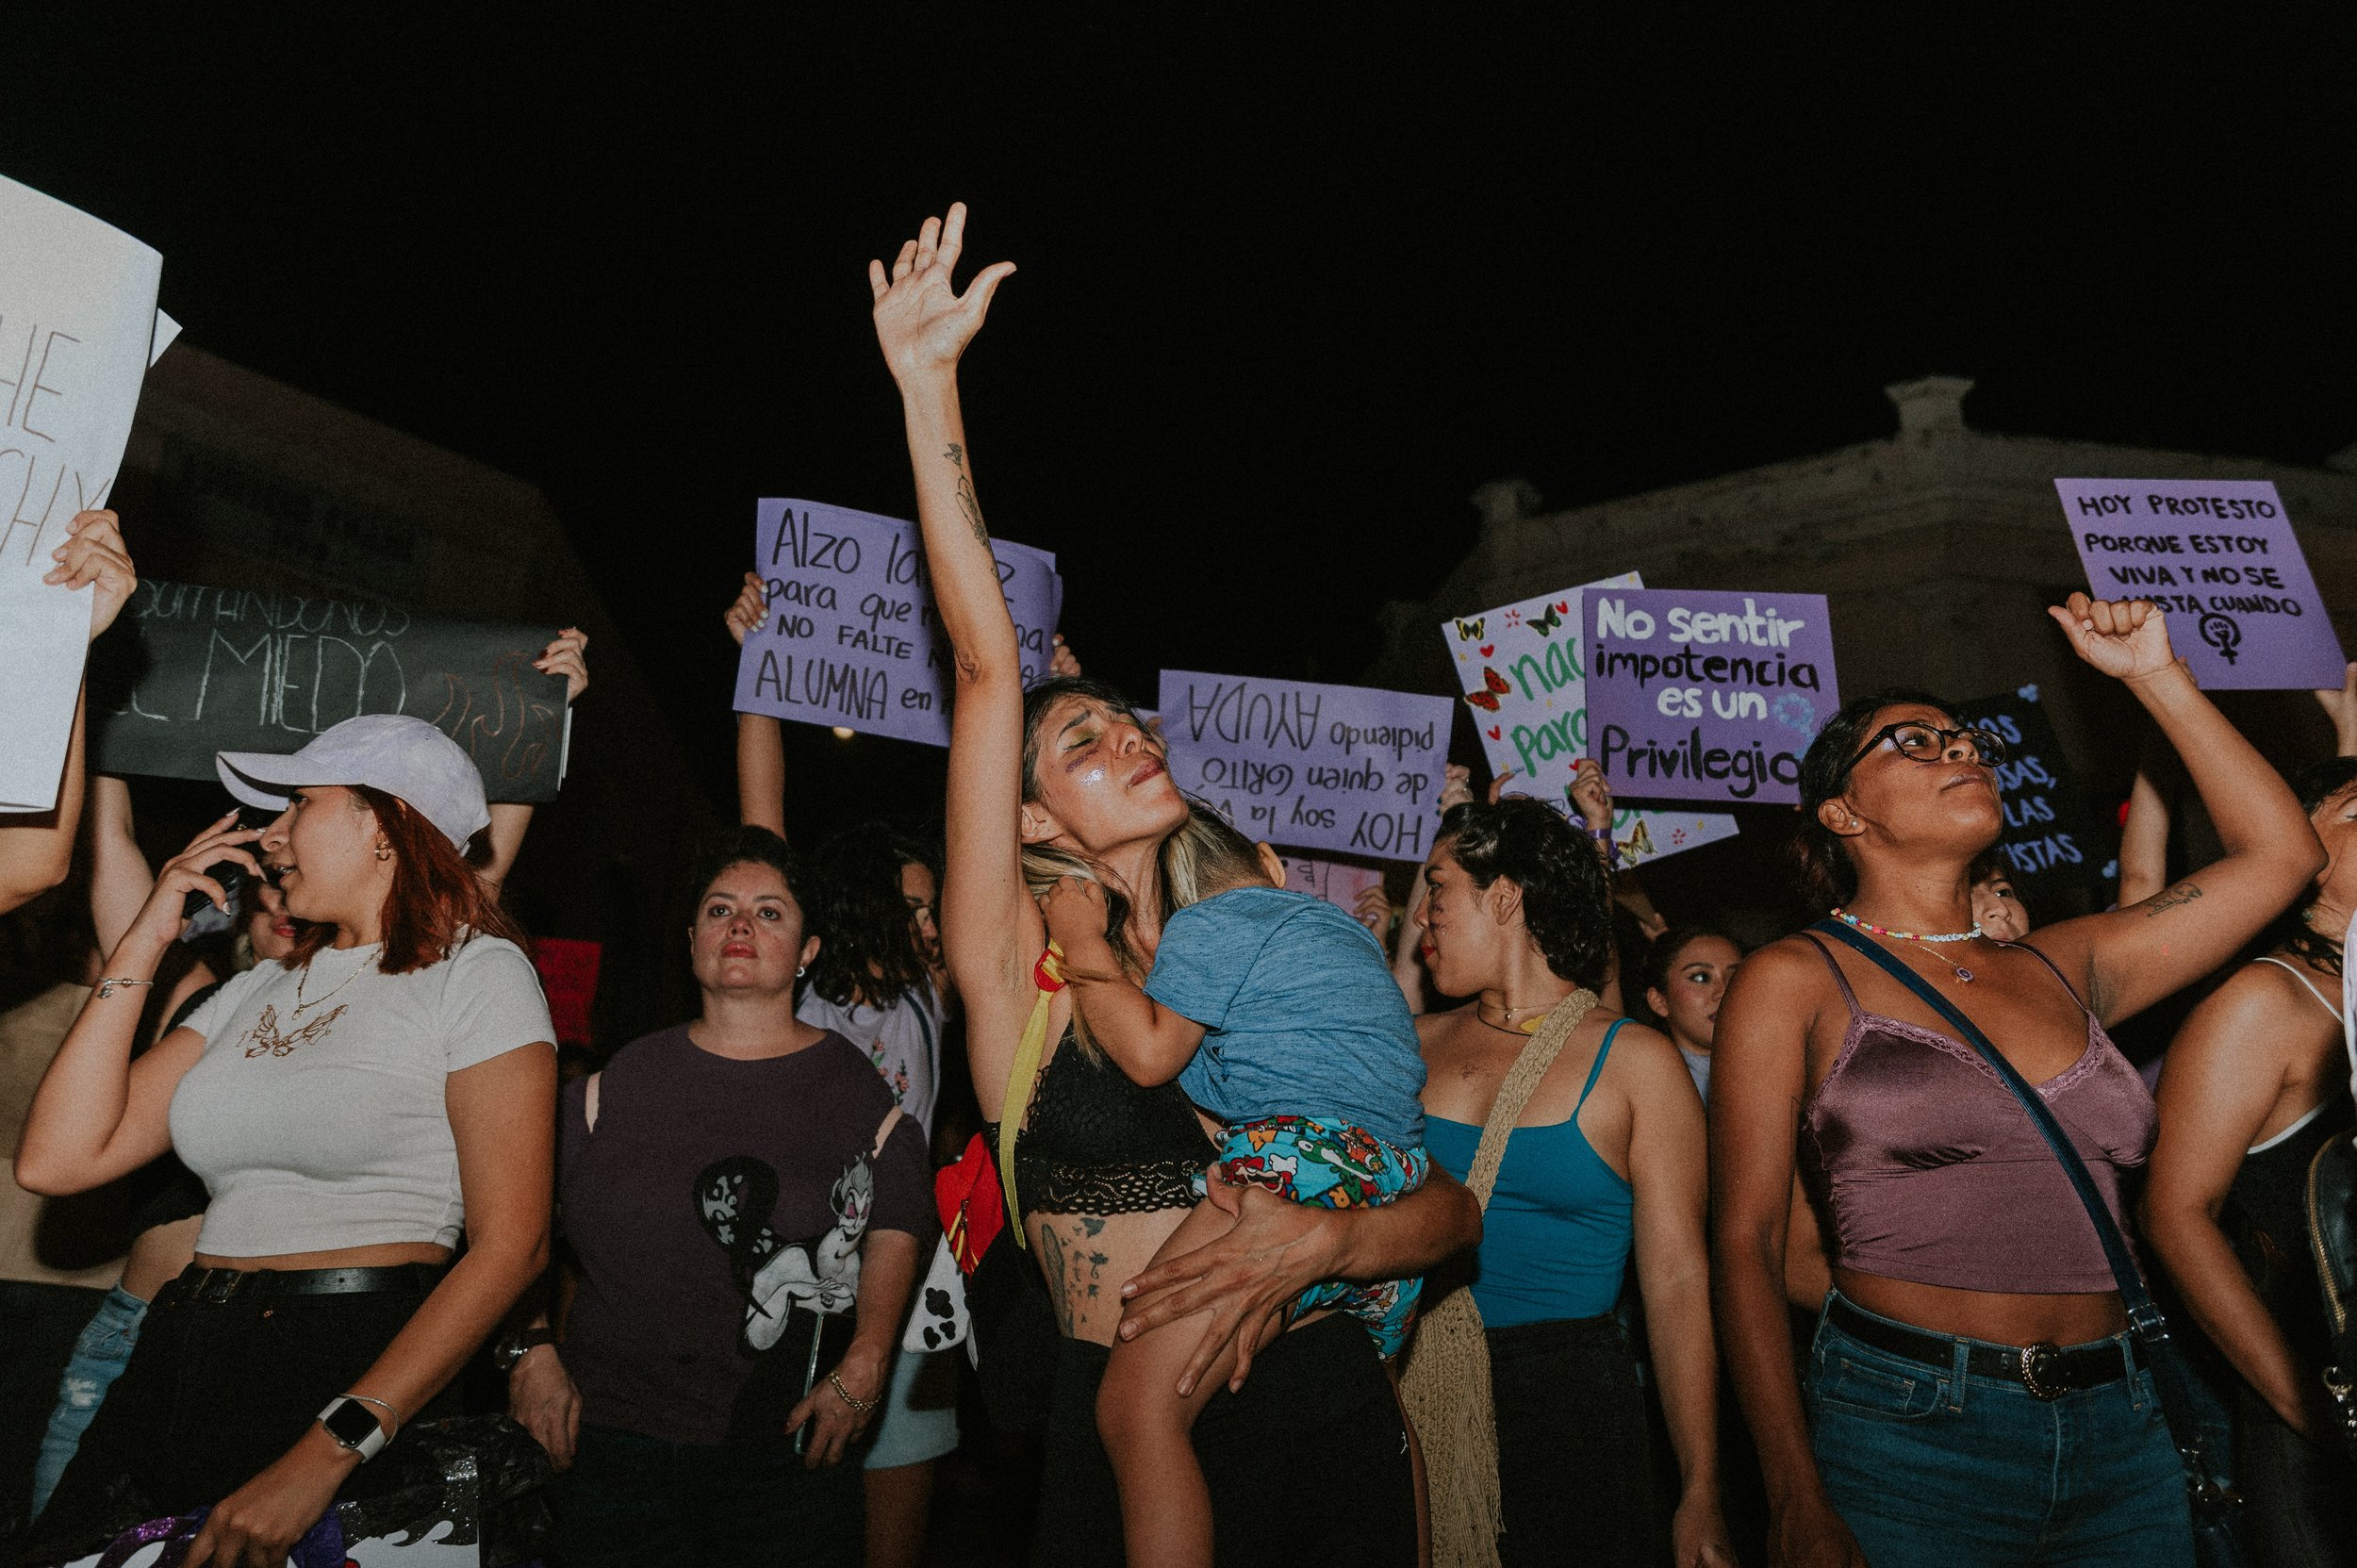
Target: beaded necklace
(1964,976)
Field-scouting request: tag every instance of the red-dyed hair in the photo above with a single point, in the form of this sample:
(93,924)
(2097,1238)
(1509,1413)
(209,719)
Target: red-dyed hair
(434,894)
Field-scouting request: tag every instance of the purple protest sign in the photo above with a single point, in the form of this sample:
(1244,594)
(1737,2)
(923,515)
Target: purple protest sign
(1347,769)
(1695,695)
(2219,556)
(853,638)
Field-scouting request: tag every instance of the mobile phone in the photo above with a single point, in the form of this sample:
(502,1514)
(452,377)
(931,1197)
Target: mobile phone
(231,876)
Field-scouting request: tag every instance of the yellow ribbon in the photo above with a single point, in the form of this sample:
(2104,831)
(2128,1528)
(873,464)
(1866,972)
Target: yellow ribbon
(1023,1077)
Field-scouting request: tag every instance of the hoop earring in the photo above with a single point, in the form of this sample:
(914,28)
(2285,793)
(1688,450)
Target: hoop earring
(800,969)
(384,851)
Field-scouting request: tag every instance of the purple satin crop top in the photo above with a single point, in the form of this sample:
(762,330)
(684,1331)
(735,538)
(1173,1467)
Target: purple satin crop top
(1922,1166)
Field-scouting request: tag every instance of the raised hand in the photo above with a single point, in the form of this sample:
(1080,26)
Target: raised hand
(922,322)
(1065,663)
(2341,708)
(749,610)
(159,921)
(1592,794)
(1455,785)
(94,553)
(1075,911)
(569,656)
(2125,638)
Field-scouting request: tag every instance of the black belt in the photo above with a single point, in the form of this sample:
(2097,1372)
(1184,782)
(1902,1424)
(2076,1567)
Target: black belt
(220,1286)
(2046,1370)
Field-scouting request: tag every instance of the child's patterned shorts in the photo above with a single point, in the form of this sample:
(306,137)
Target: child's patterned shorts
(1334,1165)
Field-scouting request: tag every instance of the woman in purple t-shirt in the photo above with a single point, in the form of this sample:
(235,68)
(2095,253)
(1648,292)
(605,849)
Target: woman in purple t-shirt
(745,1205)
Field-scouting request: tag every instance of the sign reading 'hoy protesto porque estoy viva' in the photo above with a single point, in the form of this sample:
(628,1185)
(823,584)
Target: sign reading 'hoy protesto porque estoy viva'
(2219,556)
(1696,695)
(1310,766)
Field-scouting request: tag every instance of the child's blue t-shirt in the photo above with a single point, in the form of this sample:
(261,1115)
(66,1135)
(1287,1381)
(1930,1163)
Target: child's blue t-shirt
(1300,1012)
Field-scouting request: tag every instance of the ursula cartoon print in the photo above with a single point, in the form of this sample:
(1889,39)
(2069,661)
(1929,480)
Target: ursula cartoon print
(735,1198)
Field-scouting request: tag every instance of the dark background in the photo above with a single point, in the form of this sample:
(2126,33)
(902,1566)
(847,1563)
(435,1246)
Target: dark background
(1289,291)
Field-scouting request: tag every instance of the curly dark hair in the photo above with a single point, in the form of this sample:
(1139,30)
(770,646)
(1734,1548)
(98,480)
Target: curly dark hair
(2317,785)
(746,845)
(1567,901)
(1819,860)
(870,952)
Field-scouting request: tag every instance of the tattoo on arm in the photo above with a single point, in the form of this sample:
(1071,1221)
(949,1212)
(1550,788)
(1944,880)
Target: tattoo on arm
(966,504)
(973,510)
(2184,893)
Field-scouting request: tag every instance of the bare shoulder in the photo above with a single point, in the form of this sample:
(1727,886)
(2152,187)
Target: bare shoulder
(1788,970)
(2257,1015)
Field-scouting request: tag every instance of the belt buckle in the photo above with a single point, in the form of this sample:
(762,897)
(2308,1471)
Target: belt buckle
(214,1286)
(2038,1360)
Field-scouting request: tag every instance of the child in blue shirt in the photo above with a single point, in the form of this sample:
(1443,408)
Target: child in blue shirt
(1277,1014)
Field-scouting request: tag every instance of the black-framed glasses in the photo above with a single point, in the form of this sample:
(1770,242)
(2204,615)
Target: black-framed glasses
(1919,742)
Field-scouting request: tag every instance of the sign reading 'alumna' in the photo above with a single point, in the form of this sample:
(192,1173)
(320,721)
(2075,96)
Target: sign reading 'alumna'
(1697,695)
(1345,769)
(2220,558)
(853,638)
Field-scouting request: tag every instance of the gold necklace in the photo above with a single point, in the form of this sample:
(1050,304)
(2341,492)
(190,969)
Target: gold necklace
(304,977)
(1538,1016)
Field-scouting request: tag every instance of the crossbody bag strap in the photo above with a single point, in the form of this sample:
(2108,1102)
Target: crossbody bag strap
(1023,1081)
(2144,1315)
(1522,1081)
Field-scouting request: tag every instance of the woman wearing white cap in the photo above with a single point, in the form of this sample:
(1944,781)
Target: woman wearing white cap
(355,1108)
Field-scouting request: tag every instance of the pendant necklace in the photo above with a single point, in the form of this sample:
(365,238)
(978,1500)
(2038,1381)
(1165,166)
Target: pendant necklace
(1538,1016)
(1919,939)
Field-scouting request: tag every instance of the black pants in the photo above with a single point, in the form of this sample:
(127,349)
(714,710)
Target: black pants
(1574,1463)
(213,1394)
(1308,1462)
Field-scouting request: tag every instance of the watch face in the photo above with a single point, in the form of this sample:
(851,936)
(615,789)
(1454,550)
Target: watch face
(351,1424)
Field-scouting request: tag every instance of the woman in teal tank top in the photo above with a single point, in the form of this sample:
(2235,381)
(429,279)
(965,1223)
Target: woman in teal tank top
(1605,1162)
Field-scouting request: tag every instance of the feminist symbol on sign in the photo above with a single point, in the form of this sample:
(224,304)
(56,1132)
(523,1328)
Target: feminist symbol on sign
(1797,712)
(2221,632)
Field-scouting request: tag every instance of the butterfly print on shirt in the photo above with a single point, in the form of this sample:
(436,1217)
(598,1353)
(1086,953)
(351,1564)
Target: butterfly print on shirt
(267,1041)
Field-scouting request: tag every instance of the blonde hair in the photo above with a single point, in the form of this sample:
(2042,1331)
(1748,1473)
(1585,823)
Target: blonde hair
(1205,855)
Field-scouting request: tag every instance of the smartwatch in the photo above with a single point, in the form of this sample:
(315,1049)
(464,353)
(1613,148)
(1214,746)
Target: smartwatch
(517,1343)
(355,1425)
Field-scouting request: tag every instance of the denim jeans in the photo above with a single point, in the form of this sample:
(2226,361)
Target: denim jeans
(640,1502)
(1934,1467)
(99,1358)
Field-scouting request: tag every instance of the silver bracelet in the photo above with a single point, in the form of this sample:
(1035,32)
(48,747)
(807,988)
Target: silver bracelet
(113,984)
(384,1405)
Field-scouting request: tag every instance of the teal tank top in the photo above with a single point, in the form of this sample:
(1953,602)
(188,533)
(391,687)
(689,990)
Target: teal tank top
(1554,1241)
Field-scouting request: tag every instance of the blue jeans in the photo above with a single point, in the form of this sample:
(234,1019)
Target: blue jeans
(99,1358)
(640,1502)
(1934,1467)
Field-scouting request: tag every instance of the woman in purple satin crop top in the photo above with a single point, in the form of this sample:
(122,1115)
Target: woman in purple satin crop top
(1914,1434)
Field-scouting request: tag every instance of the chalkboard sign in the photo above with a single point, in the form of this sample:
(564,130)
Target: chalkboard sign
(2051,839)
(187,672)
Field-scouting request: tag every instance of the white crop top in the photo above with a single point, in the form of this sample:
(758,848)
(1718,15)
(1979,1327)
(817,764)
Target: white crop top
(316,1116)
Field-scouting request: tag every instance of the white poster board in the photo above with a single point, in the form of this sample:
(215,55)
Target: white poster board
(78,326)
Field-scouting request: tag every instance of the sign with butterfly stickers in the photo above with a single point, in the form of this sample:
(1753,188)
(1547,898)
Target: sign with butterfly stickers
(1700,695)
(1310,766)
(1526,679)
(2052,838)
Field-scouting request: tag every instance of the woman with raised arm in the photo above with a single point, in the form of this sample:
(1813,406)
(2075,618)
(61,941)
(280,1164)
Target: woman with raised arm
(2255,1083)
(1102,1168)
(1972,1395)
(355,1109)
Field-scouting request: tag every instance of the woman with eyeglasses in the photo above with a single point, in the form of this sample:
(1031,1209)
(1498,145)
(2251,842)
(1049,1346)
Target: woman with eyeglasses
(1970,1394)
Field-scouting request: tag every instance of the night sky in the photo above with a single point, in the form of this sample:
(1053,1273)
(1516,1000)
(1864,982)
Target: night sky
(1287,292)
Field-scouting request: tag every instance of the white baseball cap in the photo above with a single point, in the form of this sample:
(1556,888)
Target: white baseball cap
(390,752)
